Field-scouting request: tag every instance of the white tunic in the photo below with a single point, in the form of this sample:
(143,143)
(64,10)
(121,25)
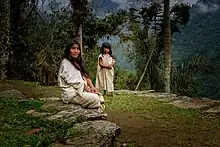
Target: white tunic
(70,80)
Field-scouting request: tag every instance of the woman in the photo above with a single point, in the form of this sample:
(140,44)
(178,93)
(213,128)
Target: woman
(105,69)
(75,82)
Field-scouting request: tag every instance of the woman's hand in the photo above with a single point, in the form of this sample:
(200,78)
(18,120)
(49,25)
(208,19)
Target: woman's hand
(87,88)
(91,87)
(94,90)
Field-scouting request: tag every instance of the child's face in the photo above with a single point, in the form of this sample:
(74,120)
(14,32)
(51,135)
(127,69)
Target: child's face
(106,50)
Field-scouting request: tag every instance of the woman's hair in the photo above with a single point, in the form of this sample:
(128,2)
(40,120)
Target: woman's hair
(106,45)
(81,67)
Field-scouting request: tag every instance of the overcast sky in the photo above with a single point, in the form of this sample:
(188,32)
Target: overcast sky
(190,1)
(123,4)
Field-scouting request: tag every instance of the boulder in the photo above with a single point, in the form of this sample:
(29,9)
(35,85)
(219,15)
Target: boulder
(12,93)
(215,110)
(90,128)
(98,133)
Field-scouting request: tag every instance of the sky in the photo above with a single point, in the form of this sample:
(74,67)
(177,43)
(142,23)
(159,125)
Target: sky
(190,1)
(114,40)
(123,4)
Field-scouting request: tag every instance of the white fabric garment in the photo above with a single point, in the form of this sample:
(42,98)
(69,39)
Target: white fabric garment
(70,81)
(72,84)
(105,76)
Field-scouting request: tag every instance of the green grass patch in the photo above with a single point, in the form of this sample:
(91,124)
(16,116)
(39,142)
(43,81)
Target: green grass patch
(30,89)
(15,122)
(153,107)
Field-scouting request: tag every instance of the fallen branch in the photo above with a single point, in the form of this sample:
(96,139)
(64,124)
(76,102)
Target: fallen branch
(145,68)
(41,61)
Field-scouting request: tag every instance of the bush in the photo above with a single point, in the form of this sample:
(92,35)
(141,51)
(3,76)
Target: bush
(124,79)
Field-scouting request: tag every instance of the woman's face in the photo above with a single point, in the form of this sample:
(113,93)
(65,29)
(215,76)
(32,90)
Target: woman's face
(106,50)
(75,51)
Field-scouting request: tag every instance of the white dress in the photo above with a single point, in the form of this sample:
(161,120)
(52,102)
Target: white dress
(105,76)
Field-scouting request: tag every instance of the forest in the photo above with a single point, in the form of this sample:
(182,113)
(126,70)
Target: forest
(173,48)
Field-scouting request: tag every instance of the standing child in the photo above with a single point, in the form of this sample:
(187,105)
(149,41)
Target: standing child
(105,69)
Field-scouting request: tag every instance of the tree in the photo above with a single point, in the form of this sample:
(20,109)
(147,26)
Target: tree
(37,38)
(187,72)
(5,37)
(167,45)
(80,11)
(150,18)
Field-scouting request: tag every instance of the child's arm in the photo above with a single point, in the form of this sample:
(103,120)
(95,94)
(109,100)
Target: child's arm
(113,61)
(104,65)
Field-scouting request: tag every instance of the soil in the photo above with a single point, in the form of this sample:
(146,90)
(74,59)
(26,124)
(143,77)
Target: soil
(138,130)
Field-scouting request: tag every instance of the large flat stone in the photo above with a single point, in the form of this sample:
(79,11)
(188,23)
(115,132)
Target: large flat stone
(188,104)
(215,110)
(50,99)
(36,113)
(12,93)
(76,115)
(133,92)
(59,105)
(71,112)
(93,134)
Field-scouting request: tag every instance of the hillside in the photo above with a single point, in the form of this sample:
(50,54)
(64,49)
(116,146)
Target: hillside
(201,37)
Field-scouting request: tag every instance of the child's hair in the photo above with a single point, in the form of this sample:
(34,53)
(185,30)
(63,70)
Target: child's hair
(106,45)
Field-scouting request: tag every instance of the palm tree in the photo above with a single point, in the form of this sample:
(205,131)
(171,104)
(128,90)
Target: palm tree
(167,45)
(5,33)
(80,10)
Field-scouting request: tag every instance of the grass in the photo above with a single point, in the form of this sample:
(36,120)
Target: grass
(30,89)
(187,124)
(15,122)
(132,103)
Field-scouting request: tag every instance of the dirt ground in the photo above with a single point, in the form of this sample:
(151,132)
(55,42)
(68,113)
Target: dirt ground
(137,130)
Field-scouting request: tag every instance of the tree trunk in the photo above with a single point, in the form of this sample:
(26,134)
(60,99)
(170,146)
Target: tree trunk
(5,36)
(81,38)
(78,18)
(167,45)
(145,68)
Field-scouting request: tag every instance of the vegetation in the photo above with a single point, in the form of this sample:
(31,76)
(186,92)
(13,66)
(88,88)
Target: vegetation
(16,124)
(145,43)
(33,41)
(200,39)
(186,126)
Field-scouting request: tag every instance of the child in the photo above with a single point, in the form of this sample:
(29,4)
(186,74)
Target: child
(105,69)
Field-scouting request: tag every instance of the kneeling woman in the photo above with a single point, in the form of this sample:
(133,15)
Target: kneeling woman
(75,82)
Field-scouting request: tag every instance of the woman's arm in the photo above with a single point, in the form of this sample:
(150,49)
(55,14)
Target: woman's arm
(89,83)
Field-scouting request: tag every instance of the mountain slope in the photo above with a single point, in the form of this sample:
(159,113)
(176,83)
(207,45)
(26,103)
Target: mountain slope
(202,37)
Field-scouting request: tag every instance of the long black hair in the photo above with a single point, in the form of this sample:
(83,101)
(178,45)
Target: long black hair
(78,63)
(106,45)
